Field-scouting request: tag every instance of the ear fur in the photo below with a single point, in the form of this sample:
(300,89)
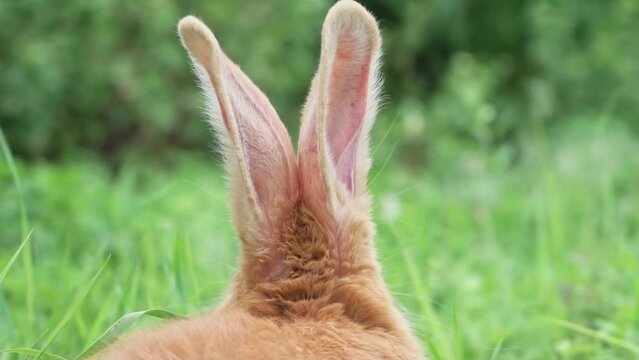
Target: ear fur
(340,108)
(258,152)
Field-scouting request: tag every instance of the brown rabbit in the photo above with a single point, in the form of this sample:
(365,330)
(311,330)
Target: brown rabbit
(309,286)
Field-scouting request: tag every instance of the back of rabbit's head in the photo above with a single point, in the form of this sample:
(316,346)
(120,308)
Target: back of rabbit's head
(304,223)
(309,285)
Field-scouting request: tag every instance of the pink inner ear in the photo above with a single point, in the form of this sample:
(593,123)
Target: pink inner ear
(264,140)
(347,101)
(345,166)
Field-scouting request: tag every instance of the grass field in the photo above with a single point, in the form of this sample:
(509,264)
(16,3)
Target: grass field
(493,255)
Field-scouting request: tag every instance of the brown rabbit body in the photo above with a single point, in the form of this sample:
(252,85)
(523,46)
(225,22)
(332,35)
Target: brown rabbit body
(309,285)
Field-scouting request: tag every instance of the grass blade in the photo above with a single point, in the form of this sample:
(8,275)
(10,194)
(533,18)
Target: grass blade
(75,304)
(433,349)
(457,340)
(427,311)
(3,274)
(31,352)
(4,271)
(178,274)
(611,340)
(497,348)
(122,324)
(7,323)
(98,319)
(27,260)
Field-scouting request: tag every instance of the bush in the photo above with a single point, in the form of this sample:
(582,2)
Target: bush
(111,76)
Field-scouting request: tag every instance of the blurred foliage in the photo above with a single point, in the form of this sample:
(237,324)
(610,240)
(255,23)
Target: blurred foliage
(479,253)
(110,76)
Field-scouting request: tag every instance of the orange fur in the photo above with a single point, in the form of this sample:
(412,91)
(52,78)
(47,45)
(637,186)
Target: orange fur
(237,335)
(309,285)
(324,306)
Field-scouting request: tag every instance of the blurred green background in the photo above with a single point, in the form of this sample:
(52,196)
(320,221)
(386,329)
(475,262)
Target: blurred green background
(505,167)
(109,77)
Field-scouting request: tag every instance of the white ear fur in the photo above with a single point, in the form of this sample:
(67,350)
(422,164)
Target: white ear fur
(341,106)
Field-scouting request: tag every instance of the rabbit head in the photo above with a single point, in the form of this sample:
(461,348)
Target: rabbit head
(309,282)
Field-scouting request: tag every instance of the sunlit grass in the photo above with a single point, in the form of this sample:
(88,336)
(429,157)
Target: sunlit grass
(492,258)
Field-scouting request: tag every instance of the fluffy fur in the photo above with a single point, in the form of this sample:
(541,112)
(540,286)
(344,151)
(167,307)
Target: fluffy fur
(309,286)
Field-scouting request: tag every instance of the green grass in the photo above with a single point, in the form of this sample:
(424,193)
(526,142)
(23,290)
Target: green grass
(492,255)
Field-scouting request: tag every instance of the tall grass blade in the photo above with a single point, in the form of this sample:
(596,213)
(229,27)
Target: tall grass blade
(121,325)
(31,352)
(497,349)
(39,338)
(611,340)
(27,259)
(636,311)
(3,274)
(6,268)
(75,305)
(99,318)
(457,339)
(433,350)
(7,324)
(427,310)
(178,273)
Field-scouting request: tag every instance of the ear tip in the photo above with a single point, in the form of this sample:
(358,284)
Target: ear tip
(197,37)
(189,24)
(348,14)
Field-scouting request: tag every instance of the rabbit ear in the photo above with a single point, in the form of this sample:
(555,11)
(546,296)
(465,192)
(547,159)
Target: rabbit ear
(340,108)
(259,155)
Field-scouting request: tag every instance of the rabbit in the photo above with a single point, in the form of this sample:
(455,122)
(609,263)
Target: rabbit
(309,285)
